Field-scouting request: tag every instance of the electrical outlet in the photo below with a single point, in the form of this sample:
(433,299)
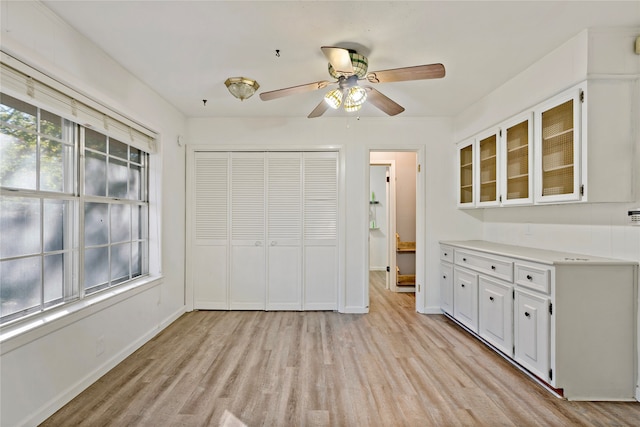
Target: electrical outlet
(100,346)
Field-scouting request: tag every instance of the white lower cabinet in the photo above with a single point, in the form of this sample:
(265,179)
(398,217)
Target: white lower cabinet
(446,287)
(465,297)
(495,303)
(570,320)
(531,326)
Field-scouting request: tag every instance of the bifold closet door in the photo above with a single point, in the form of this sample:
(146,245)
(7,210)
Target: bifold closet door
(320,217)
(247,282)
(209,230)
(284,231)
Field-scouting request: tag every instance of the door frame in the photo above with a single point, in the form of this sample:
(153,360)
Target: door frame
(420,150)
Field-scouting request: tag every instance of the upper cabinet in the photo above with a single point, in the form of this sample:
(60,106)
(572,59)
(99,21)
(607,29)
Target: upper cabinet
(577,146)
(557,148)
(487,172)
(517,167)
(465,174)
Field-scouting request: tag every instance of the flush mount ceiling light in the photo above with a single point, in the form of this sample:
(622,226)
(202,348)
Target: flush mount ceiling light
(241,87)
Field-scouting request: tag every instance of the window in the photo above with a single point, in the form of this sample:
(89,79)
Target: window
(73,210)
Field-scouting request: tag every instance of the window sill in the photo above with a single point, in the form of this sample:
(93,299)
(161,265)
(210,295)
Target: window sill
(20,333)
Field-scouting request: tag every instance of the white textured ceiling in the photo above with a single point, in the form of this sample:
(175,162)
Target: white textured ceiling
(185,50)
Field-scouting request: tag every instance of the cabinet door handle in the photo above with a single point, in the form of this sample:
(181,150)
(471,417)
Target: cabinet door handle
(462,284)
(273,243)
(258,243)
(464,259)
(444,277)
(493,267)
(490,298)
(526,314)
(445,254)
(529,277)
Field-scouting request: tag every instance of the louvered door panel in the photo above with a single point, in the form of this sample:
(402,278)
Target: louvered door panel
(320,210)
(210,253)
(284,231)
(247,275)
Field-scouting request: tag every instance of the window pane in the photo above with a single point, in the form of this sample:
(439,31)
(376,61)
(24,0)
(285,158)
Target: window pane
(120,223)
(20,285)
(95,141)
(96,224)
(136,231)
(117,149)
(95,170)
(51,124)
(58,225)
(52,165)
(117,179)
(17,113)
(120,256)
(20,225)
(53,277)
(18,159)
(96,267)
(135,187)
(136,259)
(135,155)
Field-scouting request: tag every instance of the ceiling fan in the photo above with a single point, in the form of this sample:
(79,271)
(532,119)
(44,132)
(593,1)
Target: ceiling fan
(350,68)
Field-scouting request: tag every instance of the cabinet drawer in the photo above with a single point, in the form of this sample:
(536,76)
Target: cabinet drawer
(446,253)
(537,278)
(491,265)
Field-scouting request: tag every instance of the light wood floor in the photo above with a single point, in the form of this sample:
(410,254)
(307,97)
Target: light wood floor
(391,367)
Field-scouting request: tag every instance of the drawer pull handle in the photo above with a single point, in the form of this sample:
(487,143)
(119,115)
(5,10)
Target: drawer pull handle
(493,267)
(444,277)
(526,314)
(464,259)
(490,298)
(445,254)
(529,277)
(462,284)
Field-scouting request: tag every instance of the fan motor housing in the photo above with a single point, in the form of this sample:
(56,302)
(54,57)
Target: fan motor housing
(360,65)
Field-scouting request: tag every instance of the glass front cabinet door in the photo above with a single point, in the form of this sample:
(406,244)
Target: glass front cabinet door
(487,172)
(465,174)
(557,157)
(517,160)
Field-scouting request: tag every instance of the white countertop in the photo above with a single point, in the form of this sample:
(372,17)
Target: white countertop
(534,255)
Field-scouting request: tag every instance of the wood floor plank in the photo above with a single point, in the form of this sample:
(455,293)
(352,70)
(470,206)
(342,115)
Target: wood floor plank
(391,367)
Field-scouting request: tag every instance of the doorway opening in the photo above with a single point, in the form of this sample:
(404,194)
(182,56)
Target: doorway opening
(393,226)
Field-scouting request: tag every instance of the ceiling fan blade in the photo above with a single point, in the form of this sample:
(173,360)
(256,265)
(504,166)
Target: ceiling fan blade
(383,102)
(294,90)
(339,58)
(419,72)
(319,110)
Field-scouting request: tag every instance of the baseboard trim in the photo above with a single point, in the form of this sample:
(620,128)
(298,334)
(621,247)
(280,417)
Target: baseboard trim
(355,310)
(66,396)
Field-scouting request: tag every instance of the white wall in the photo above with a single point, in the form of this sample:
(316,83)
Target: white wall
(593,229)
(43,369)
(355,138)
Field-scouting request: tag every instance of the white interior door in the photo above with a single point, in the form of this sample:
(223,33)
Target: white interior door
(284,231)
(210,241)
(247,283)
(320,217)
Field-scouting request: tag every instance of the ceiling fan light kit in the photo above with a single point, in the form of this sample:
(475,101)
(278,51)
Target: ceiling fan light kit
(349,67)
(241,87)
